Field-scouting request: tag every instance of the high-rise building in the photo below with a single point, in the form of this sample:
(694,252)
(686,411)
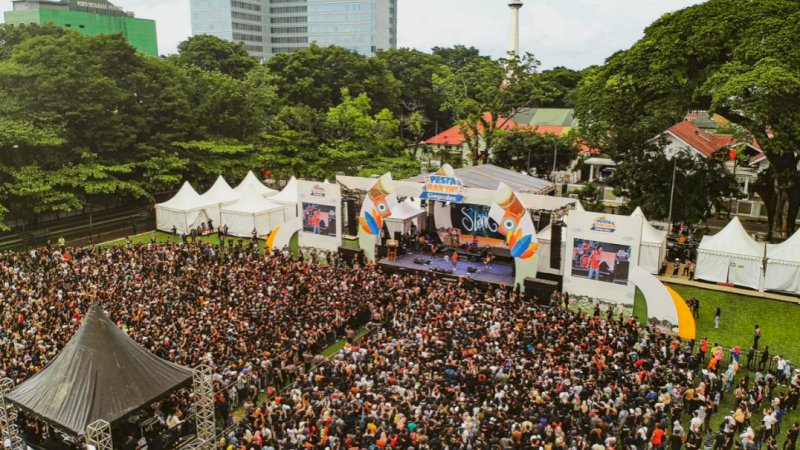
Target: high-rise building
(269,27)
(89,17)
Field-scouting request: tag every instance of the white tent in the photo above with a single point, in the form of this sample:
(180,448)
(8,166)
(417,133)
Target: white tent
(219,195)
(544,237)
(654,244)
(403,215)
(783,265)
(731,256)
(184,211)
(287,197)
(252,211)
(250,180)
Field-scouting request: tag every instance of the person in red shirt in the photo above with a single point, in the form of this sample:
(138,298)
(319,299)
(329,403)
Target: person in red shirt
(658,438)
(594,263)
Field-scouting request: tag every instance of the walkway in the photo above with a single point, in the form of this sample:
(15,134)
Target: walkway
(685,281)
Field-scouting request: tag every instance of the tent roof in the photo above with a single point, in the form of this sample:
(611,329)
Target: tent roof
(252,180)
(788,250)
(220,192)
(186,199)
(406,210)
(288,194)
(251,203)
(488,176)
(733,239)
(100,374)
(650,234)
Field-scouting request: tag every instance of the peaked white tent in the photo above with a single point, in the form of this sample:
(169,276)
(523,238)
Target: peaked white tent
(783,265)
(220,194)
(731,256)
(250,180)
(654,244)
(184,211)
(252,211)
(403,215)
(287,197)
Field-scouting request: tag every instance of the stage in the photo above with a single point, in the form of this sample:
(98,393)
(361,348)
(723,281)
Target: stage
(498,273)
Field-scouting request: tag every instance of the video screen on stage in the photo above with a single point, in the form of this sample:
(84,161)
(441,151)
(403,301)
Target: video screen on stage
(601,261)
(474,220)
(319,219)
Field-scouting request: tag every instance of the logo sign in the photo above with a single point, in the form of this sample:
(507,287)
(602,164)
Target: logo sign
(318,191)
(443,188)
(604,225)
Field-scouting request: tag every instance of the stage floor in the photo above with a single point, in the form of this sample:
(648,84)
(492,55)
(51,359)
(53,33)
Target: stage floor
(498,273)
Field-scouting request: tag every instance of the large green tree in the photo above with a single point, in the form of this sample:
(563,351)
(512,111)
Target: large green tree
(522,149)
(316,76)
(211,53)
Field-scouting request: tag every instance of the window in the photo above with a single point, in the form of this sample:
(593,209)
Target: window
(246,27)
(247,6)
(290,40)
(288,9)
(276,2)
(247,37)
(285,49)
(295,19)
(289,30)
(245,16)
(254,48)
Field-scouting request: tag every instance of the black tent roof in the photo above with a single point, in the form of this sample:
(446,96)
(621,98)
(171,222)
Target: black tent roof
(100,374)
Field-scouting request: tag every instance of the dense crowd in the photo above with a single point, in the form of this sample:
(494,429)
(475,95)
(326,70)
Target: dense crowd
(446,366)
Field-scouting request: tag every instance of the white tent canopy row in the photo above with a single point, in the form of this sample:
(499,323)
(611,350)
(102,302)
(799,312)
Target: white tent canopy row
(731,256)
(252,212)
(187,210)
(783,266)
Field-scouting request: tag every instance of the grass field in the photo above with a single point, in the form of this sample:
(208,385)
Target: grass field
(739,316)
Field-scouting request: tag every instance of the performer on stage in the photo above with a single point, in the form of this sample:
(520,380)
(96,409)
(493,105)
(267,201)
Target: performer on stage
(487,261)
(454,260)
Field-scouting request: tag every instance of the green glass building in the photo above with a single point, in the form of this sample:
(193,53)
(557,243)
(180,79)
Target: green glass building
(89,17)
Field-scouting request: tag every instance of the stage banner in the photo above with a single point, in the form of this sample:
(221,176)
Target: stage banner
(377,206)
(443,186)
(320,206)
(282,234)
(600,250)
(515,224)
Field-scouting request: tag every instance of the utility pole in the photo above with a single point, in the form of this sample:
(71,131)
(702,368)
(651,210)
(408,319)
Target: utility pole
(672,194)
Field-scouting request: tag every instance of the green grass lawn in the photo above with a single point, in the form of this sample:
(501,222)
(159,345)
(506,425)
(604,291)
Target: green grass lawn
(740,314)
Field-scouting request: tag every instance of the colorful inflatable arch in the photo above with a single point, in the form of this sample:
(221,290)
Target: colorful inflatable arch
(664,305)
(282,234)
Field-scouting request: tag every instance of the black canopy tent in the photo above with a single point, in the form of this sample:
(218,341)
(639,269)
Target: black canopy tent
(100,374)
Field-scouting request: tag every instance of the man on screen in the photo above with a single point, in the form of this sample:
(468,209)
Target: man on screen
(594,263)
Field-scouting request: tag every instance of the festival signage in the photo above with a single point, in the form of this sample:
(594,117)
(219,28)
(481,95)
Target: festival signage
(443,186)
(603,224)
(320,213)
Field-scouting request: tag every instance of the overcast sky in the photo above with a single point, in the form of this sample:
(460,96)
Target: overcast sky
(571,33)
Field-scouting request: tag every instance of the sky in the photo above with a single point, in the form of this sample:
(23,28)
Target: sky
(570,33)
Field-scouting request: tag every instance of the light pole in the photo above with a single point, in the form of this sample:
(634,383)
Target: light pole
(671,195)
(528,166)
(555,157)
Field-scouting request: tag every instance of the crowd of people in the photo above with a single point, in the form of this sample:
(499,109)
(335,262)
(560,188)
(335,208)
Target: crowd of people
(446,366)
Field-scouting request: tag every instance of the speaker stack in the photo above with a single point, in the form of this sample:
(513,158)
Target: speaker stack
(540,289)
(555,245)
(351,255)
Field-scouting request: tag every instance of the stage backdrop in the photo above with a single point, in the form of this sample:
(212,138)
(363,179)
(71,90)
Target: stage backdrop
(320,206)
(376,207)
(600,250)
(515,224)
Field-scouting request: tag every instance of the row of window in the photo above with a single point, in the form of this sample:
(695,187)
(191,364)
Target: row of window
(277,2)
(289,30)
(247,37)
(285,49)
(288,9)
(290,40)
(291,19)
(245,6)
(353,17)
(247,27)
(254,48)
(245,16)
(350,28)
(342,7)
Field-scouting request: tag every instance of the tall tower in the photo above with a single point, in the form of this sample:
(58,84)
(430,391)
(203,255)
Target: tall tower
(513,32)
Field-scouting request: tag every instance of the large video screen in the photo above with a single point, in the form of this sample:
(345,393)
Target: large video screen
(474,220)
(601,261)
(319,219)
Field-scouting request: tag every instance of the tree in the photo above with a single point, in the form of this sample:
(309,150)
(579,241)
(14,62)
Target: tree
(484,95)
(315,77)
(415,70)
(13,35)
(735,57)
(458,56)
(213,54)
(591,198)
(702,185)
(561,84)
(515,147)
